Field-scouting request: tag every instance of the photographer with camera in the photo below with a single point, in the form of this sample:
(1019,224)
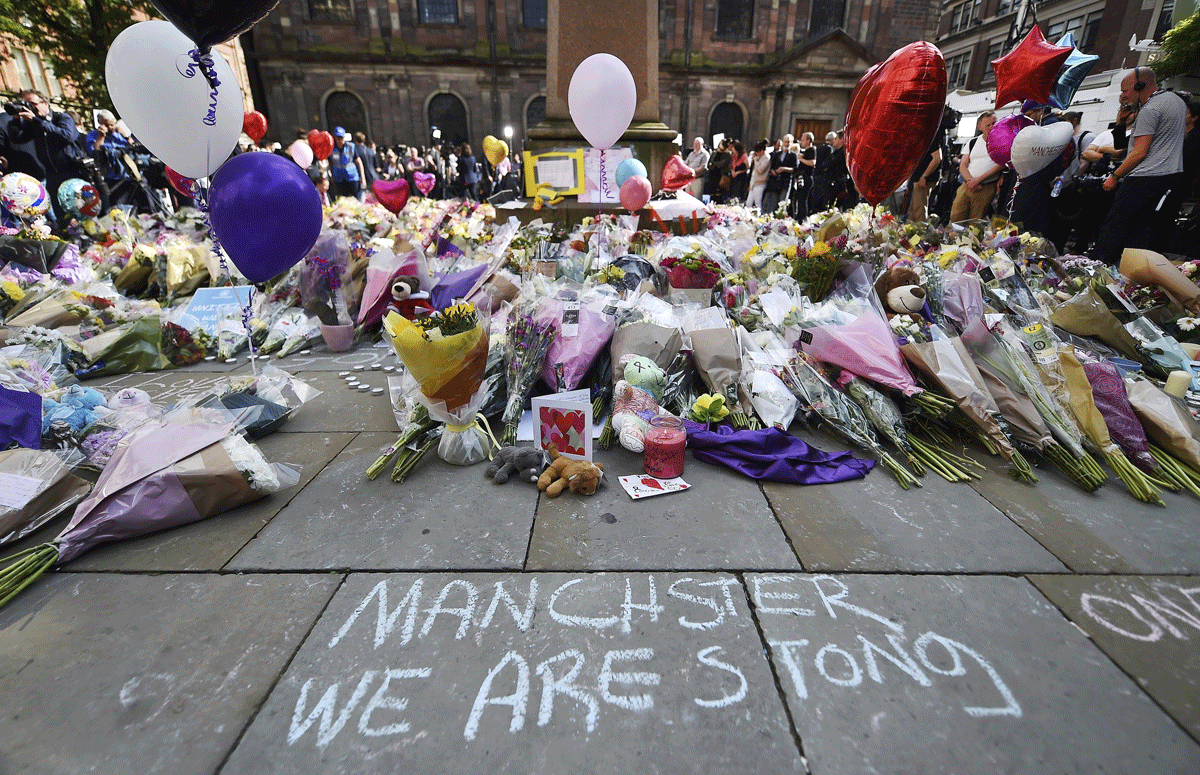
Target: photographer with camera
(108,147)
(42,143)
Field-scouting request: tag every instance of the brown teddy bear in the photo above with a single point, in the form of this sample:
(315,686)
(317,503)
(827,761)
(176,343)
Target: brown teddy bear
(576,475)
(900,290)
(408,299)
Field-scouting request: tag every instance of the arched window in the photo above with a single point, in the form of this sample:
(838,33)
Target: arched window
(727,119)
(535,112)
(448,115)
(346,110)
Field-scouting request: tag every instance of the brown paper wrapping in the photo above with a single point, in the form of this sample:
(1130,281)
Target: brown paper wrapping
(1167,424)
(949,365)
(48,313)
(1083,406)
(718,358)
(1087,315)
(1024,422)
(213,483)
(658,343)
(61,490)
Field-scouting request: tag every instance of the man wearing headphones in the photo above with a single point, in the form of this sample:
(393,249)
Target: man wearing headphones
(1153,166)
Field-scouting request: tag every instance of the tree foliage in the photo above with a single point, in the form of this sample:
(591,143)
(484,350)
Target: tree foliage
(74,35)
(1180,52)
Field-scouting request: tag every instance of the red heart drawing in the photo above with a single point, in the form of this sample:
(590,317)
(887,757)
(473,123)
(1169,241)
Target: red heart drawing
(648,482)
(894,113)
(392,194)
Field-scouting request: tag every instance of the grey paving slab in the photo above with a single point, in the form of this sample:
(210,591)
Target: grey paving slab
(1147,625)
(874,525)
(340,408)
(145,674)
(321,358)
(942,674)
(442,517)
(723,521)
(165,387)
(1103,532)
(530,673)
(211,543)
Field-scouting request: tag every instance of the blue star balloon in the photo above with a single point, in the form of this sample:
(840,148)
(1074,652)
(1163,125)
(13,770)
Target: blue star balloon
(1072,73)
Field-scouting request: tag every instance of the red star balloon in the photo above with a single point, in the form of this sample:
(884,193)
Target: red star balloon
(1029,71)
(894,114)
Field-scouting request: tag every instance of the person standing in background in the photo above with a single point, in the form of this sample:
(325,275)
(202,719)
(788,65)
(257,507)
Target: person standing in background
(760,165)
(365,153)
(979,173)
(345,167)
(698,161)
(41,143)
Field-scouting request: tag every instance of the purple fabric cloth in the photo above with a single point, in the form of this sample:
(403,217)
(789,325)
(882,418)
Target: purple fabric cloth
(454,286)
(20,418)
(774,456)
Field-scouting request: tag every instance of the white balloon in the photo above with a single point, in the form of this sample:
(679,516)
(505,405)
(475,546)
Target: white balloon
(301,153)
(1034,147)
(602,98)
(167,102)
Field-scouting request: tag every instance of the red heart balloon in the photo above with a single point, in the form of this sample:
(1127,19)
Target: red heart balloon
(1030,70)
(392,194)
(254,124)
(676,174)
(321,144)
(185,186)
(894,114)
(424,181)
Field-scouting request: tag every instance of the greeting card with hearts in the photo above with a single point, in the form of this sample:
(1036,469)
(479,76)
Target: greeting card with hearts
(564,420)
(643,486)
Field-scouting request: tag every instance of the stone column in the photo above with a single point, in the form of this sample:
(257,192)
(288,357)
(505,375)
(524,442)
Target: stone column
(767,118)
(785,113)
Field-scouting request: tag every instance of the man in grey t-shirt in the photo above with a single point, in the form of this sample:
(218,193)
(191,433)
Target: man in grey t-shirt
(1152,169)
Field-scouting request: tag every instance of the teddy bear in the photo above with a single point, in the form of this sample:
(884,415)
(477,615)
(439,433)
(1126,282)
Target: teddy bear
(522,463)
(900,290)
(579,476)
(636,399)
(408,299)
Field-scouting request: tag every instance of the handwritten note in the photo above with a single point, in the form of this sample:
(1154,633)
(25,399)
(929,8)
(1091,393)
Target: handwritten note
(17,490)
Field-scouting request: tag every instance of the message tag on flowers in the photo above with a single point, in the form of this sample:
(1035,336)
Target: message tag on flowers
(570,319)
(16,490)
(645,486)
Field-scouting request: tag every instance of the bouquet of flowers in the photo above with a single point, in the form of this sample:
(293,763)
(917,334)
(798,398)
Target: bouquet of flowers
(1176,435)
(530,335)
(446,353)
(56,491)
(165,476)
(323,281)
(842,416)
(947,362)
(718,358)
(816,267)
(692,270)
(583,328)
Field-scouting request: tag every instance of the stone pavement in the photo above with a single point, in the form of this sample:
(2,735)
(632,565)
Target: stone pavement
(450,625)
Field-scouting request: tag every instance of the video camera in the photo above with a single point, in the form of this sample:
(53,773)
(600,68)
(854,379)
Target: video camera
(17,106)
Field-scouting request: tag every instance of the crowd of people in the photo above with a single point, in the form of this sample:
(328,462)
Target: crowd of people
(1121,187)
(801,177)
(356,163)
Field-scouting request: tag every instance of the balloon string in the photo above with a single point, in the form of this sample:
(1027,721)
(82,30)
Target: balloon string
(246,314)
(200,195)
(603,187)
(204,62)
(1012,200)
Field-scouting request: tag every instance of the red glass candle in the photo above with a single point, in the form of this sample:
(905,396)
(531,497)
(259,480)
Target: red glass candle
(666,444)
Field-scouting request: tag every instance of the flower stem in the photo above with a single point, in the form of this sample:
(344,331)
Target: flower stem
(28,569)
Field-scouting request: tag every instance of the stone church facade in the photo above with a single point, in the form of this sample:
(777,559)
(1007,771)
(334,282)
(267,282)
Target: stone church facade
(405,71)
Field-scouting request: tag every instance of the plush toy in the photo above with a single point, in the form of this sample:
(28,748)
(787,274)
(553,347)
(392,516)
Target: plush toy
(408,299)
(900,290)
(635,400)
(576,475)
(523,463)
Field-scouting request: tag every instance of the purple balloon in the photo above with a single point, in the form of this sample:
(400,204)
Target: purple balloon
(1000,139)
(209,22)
(265,211)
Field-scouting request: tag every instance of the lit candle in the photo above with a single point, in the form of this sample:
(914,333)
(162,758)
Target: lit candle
(1177,383)
(666,445)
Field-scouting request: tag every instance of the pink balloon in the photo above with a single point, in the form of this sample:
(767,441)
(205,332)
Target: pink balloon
(424,181)
(1000,139)
(635,193)
(301,153)
(392,194)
